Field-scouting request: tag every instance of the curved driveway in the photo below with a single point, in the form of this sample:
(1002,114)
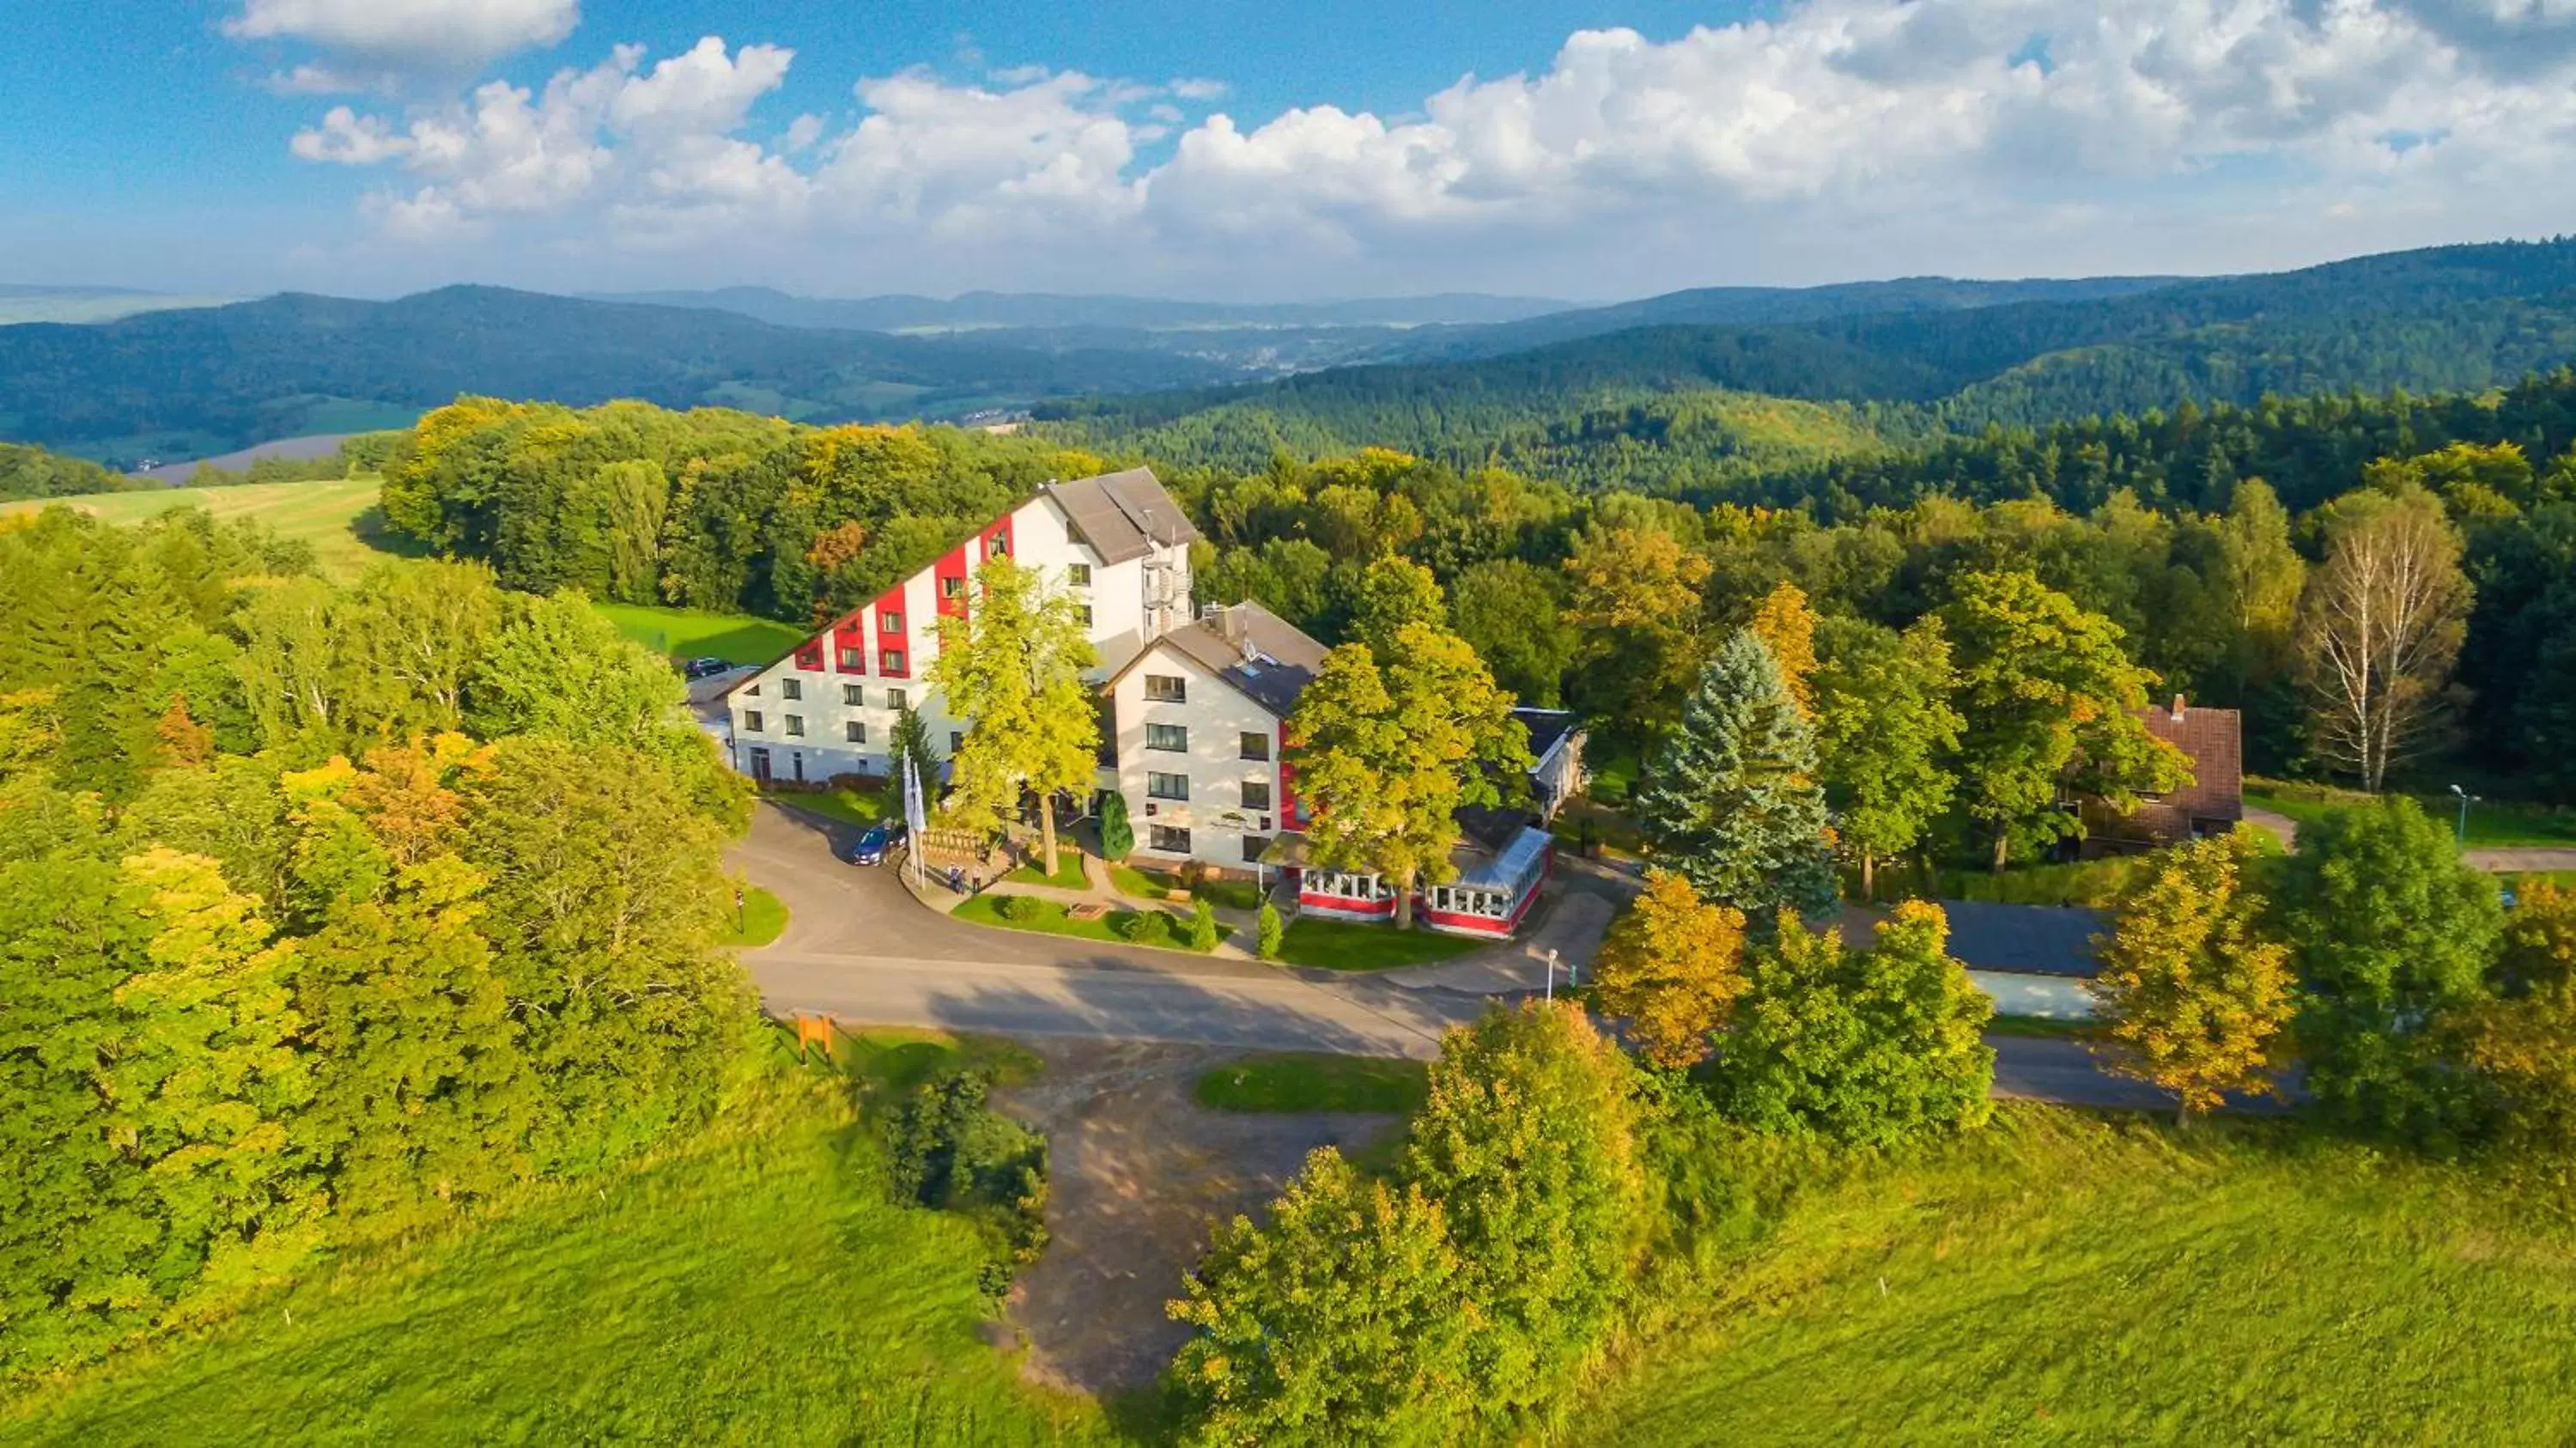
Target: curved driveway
(860,948)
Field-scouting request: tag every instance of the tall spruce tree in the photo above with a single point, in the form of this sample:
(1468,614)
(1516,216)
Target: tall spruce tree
(1731,802)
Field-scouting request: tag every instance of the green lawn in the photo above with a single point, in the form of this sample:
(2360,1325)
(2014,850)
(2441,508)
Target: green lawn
(338,518)
(2063,1280)
(1068,870)
(763,919)
(1139,884)
(1136,884)
(849,806)
(1050,919)
(753,1286)
(1348,945)
(687,633)
(2493,824)
(1298,1081)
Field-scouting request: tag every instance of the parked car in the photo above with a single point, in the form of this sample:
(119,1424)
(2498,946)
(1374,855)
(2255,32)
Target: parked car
(706,668)
(872,846)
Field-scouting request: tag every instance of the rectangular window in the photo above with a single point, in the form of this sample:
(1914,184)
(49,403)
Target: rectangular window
(854,696)
(1078,574)
(751,721)
(894,700)
(1253,848)
(795,725)
(998,546)
(956,740)
(1164,839)
(1255,746)
(1166,689)
(1256,794)
(1171,738)
(853,660)
(857,732)
(952,588)
(891,661)
(889,621)
(1082,611)
(1167,786)
(791,689)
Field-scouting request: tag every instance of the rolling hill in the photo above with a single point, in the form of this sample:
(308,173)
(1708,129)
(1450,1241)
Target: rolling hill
(185,383)
(2449,319)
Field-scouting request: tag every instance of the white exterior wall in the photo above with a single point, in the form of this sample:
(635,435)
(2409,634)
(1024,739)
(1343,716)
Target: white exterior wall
(1217,715)
(1127,604)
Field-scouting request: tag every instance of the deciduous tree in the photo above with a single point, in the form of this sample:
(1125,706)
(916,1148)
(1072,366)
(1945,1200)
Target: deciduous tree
(1336,1321)
(1635,610)
(1885,735)
(2392,934)
(2382,622)
(1871,1047)
(1011,666)
(1672,965)
(1386,755)
(2196,993)
(2050,703)
(1528,1142)
(1787,626)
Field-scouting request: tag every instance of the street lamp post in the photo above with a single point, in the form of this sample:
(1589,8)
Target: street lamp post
(2466,799)
(1551,975)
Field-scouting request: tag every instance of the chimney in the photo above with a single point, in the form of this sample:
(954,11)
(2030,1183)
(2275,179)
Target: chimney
(1233,624)
(2177,708)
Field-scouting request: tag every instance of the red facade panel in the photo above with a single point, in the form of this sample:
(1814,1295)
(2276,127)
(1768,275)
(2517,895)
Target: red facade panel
(894,648)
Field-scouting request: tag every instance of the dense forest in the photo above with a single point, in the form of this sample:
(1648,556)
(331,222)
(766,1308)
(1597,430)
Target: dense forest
(2191,532)
(30,472)
(303,941)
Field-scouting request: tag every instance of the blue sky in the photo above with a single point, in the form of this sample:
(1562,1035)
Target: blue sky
(1325,147)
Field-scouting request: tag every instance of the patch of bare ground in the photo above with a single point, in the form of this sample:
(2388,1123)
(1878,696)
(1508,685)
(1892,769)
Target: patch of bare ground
(1141,1174)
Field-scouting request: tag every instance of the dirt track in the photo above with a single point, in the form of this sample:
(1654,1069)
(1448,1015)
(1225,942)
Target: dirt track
(1141,1174)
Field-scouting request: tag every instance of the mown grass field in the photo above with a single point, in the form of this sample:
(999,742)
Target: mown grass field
(1348,945)
(2062,1280)
(687,633)
(337,518)
(753,1286)
(1302,1081)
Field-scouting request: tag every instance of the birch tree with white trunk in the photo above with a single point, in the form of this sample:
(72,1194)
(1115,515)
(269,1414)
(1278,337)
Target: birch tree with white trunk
(2380,627)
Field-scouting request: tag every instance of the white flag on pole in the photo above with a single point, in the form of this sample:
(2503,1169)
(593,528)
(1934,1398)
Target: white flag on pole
(913,819)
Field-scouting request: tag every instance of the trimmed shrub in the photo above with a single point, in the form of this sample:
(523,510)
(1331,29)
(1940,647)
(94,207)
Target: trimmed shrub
(1269,931)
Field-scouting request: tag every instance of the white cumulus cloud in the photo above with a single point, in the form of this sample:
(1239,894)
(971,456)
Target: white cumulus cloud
(1835,137)
(401,34)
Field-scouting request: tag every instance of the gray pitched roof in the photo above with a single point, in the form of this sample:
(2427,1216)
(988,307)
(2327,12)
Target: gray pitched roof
(1270,659)
(1122,514)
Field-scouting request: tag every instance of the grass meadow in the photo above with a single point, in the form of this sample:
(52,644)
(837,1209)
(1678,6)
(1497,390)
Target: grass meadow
(749,1285)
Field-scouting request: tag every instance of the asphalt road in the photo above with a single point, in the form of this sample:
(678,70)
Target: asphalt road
(859,948)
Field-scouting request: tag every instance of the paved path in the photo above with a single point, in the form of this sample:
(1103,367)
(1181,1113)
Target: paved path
(859,947)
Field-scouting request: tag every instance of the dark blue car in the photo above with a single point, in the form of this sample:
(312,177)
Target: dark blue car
(872,846)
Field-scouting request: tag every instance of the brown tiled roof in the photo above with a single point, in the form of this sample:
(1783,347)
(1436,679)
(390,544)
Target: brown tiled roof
(2213,740)
(1266,657)
(1122,514)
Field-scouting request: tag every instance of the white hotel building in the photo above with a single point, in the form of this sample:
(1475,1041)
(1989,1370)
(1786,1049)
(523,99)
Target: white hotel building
(1118,543)
(1195,736)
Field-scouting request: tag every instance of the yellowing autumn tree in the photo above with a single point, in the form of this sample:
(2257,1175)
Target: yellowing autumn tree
(1788,625)
(2197,998)
(1673,965)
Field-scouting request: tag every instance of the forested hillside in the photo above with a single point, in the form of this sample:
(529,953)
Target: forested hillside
(2452,318)
(30,472)
(217,378)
